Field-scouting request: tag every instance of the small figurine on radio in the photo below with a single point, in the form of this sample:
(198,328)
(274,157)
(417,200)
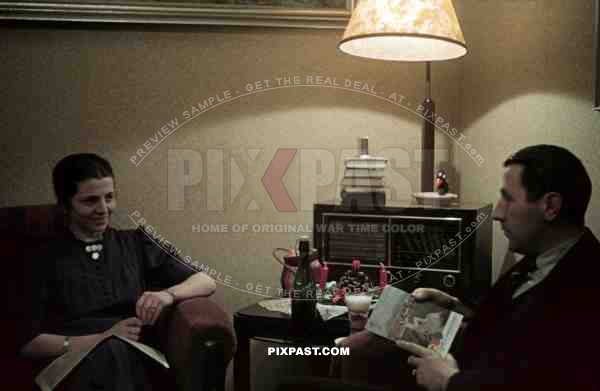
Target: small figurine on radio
(440,183)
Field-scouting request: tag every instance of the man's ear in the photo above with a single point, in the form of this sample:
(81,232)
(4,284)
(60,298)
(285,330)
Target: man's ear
(551,205)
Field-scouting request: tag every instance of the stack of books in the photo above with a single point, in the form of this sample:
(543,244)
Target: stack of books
(363,182)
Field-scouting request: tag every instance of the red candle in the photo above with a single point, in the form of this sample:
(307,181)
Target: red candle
(323,275)
(383,277)
(355,265)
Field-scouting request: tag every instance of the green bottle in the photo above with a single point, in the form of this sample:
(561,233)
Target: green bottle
(304,292)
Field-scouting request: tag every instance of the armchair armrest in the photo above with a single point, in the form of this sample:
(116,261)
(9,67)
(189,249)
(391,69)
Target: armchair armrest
(198,339)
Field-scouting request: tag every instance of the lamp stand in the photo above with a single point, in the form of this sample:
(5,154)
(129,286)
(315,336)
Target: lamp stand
(428,138)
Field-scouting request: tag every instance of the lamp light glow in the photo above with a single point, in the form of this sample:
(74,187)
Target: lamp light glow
(404,30)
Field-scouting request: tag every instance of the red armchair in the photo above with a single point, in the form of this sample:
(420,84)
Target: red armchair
(196,336)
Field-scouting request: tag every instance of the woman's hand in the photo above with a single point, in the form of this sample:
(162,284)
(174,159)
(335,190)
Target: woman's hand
(128,328)
(150,305)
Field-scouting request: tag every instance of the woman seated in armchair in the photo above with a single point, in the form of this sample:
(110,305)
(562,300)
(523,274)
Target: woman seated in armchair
(97,281)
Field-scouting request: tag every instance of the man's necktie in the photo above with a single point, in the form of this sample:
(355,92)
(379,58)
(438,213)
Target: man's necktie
(520,274)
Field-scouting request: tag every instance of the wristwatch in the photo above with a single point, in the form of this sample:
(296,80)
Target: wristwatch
(172,295)
(66,344)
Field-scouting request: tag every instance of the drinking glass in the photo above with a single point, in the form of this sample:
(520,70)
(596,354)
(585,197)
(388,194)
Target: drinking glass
(358,310)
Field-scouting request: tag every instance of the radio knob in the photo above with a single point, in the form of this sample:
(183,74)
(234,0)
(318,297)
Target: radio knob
(449,281)
(417,278)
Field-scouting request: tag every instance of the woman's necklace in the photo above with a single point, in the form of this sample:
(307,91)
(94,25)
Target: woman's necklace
(93,246)
(95,250)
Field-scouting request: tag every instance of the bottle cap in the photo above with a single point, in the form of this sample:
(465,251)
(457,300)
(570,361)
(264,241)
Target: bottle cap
(304,244)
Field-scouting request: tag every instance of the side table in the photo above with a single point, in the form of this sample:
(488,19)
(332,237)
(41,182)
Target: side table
(256,322)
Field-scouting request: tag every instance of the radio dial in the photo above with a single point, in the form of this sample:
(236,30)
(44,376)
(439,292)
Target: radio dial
(449,281)
(416,280)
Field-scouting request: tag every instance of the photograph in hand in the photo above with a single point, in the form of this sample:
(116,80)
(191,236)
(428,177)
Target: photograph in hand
(421,324)
(397,316)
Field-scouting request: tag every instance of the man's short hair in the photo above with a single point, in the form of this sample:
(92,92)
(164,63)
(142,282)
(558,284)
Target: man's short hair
(76,168)
(549,168)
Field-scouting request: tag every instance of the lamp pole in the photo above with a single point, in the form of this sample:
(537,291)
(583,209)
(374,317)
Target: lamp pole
(378,30)
(428,137)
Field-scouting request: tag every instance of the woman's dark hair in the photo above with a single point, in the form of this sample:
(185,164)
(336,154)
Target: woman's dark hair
(548,168)
(76,168)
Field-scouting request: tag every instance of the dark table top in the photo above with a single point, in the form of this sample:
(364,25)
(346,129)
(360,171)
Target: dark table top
(255,321)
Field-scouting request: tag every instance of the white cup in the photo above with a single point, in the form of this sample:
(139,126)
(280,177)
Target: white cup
(358,310)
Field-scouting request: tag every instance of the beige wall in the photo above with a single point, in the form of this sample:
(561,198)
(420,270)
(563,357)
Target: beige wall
(110,90)
(527,80)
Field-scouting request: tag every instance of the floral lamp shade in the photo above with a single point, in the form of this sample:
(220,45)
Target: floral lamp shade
(404,30)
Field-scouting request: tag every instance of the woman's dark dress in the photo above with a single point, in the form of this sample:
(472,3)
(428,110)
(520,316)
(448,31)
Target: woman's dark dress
(76,295)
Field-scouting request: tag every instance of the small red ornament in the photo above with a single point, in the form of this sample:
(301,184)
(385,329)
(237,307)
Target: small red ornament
(440,182)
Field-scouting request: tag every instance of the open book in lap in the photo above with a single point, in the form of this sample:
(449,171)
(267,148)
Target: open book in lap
(58,369)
